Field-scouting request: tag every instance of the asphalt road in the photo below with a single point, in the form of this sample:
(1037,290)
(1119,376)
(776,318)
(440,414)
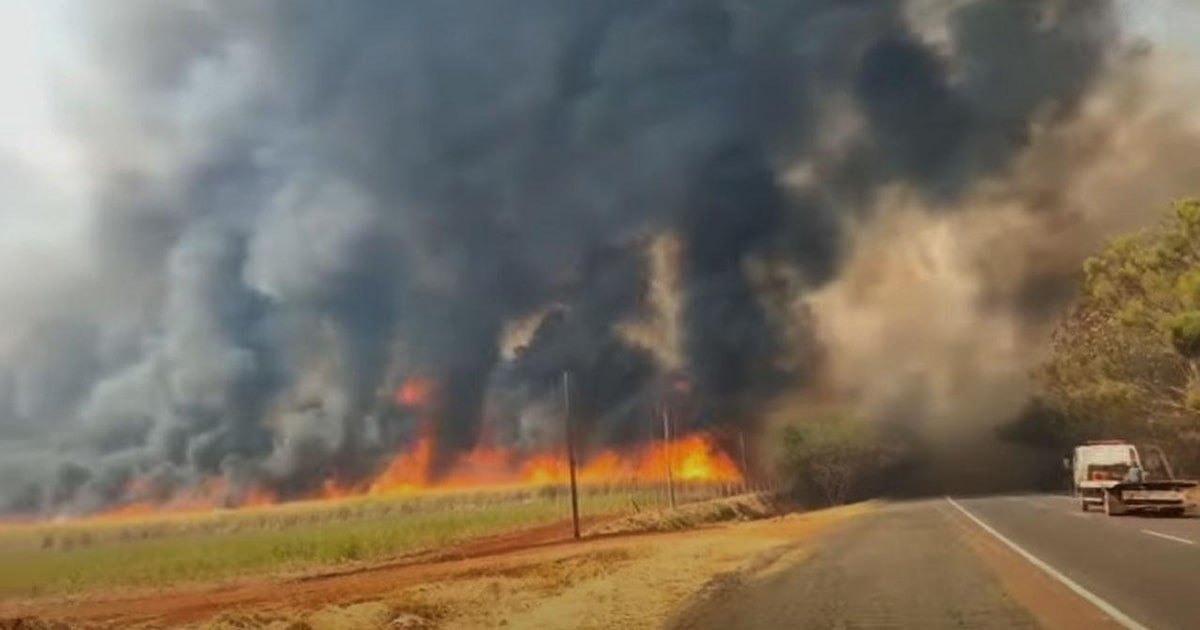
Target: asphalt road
(924,564)
(1148,568)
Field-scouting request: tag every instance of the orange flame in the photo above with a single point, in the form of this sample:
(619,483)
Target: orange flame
(691,458)
(694,457)
(416,391)
(259,497)
(406,471)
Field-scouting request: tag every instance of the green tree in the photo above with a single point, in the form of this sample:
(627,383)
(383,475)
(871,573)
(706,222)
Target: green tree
(826,458)
(1125,361)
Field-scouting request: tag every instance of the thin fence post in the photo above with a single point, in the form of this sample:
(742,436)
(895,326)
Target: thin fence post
(666,416)
(571,452)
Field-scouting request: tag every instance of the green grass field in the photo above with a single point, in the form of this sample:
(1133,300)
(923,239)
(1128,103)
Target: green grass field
(70,557)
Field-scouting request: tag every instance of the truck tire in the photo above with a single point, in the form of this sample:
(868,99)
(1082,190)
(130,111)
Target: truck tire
(1109,510)
(1083,504)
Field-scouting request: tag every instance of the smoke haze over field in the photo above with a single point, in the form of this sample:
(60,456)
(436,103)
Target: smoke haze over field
(963,294)
(260,219)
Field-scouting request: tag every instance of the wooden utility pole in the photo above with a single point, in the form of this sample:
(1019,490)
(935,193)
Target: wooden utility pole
(666,417)
(566,384)
(745,466)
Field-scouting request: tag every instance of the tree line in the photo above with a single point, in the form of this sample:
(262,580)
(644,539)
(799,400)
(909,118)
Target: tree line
(1124,361)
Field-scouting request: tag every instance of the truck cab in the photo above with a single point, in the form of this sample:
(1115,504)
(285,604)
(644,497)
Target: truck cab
(1118,477)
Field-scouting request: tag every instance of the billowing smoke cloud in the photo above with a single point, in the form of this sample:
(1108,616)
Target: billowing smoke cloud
(953,301)
(293,206)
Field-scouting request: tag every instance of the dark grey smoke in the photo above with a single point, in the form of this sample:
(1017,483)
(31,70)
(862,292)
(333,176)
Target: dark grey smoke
(345,194)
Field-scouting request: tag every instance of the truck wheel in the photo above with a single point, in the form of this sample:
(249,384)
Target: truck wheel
(1109,509)
(1083,504)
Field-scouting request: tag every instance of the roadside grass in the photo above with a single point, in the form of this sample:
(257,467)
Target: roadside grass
(84,555)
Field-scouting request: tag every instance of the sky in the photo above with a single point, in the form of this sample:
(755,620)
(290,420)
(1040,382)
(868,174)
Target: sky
(1168,23)
(43,187)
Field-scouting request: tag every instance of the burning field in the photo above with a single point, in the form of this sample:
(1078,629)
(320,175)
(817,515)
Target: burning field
(211,530)
(313,250)
(693,459)
(155,533)
(310,282)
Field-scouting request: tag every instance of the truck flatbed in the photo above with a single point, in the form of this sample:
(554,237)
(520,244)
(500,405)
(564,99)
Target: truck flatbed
(1099,468)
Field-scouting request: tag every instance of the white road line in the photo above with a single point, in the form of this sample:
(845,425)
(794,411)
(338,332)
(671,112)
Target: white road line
(1169,537)
(1110,610)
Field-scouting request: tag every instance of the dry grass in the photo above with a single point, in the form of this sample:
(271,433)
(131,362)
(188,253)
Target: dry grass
(632,582)
(349,617)
(747,507)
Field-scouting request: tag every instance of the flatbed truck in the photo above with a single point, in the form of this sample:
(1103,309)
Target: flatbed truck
(1101,471)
